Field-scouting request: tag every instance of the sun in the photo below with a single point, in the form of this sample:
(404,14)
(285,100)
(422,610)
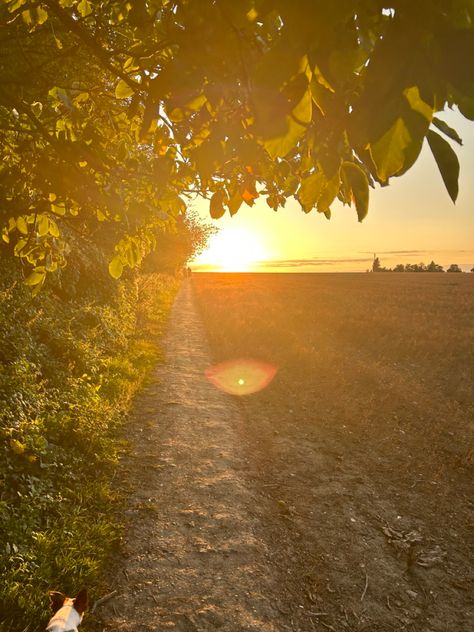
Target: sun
(232,250)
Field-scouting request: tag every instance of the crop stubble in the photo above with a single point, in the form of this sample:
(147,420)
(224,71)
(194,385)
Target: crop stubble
(362,446)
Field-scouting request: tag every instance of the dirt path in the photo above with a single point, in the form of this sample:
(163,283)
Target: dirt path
(192,559)
(297,509)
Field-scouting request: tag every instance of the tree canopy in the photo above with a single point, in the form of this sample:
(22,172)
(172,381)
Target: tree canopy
(113,113)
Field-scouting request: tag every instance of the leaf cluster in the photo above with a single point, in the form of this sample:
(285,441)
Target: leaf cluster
(114,112)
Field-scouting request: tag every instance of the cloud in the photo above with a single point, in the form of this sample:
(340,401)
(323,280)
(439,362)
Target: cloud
(298,263)
(398,252)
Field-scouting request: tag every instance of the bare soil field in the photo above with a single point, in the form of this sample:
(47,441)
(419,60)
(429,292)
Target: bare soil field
(361,450)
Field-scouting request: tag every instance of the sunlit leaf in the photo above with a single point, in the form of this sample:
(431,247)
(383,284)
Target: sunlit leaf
(311,189)
(123,90)
(417,103)
(359,185)
(58,209)
(116,267)
(16,4)
(42,225)
(84,8)
(22,225)
(302,113)
(36,277)
(17,446)
(41,15)
(281,146)
(53,228)
(447,162)
(328,194)
(388,152)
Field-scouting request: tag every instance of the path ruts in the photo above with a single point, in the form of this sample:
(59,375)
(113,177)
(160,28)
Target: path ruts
(192,559)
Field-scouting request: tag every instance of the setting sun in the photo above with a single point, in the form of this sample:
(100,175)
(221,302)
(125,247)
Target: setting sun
(232,250)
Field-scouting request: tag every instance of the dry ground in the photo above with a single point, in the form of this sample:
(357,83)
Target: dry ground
(337,498)
(362,447)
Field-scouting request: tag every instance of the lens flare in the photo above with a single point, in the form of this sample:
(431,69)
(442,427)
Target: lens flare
(241,377)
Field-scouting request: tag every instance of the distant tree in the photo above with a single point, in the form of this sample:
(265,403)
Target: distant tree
(472,269)
(434,267)
(178,246)
(376,266)
(399,268)
(454,268)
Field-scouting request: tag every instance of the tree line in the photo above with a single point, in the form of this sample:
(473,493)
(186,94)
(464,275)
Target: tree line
(415,267)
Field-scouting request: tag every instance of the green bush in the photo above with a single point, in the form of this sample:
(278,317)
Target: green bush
(70,364)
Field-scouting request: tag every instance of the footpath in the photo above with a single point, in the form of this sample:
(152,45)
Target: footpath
(191,559)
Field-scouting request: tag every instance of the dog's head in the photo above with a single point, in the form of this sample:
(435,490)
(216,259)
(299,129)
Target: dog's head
(68,612)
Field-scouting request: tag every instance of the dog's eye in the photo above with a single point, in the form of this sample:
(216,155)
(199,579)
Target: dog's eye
(241,377)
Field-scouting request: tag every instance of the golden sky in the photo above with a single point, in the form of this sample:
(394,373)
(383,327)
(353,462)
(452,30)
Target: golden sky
(410,221)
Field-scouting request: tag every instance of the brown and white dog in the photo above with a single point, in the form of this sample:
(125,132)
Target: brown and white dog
(68,612)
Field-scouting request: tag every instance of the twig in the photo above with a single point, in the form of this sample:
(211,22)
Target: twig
(103,599)
(365,587)
(326,625)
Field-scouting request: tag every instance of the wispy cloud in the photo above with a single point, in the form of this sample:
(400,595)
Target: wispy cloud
(315,261)
(417,252)
(397,252)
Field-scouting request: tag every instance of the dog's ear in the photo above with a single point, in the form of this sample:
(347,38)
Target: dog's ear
(80,601)
(56,600)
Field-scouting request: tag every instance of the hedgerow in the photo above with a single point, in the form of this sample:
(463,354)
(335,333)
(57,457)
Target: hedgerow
(71,360)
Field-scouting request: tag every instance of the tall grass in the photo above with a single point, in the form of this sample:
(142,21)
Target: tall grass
(69,369)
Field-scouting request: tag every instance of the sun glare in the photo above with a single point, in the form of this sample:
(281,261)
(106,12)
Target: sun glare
(241,376)
(232,250)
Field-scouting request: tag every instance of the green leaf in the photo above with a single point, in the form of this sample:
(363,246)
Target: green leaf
(58,209)
(116,267)
(41,15)
(42,225)
(388,152)
(447,162)
(53,228)
(280,146)
(123,90)
(132,253)
(311,189)
(22,225)
(359,185)
(449,131)
(84,8)
(37,276)
(16,4)
(216,207)
(417,104)
(328,194)
(302,113)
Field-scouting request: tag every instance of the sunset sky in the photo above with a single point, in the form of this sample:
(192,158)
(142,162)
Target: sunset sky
(410,221)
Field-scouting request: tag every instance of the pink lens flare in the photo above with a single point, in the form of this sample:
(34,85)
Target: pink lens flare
(241,377)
